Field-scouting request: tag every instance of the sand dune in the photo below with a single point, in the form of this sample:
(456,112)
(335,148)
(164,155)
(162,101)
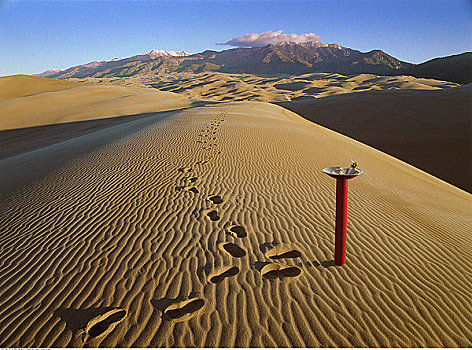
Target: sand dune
(280,88)
(424,122)
(27,101)
(106,244)
(429,129)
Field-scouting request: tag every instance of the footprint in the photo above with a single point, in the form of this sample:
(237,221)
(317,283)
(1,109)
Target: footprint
(185,170)
(184,310)
(234,250)
(212,214)
(220,275)
(192,189)
(187,188)
(282,253)
(273,271)
(239,231)
(103,324)
(193,179)
(216,199)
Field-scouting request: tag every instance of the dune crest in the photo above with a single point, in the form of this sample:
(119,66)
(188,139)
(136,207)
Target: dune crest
(424,122)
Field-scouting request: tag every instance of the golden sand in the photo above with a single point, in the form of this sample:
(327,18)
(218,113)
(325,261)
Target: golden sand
(27,101)
(115,238)
(275,88)
(424,122)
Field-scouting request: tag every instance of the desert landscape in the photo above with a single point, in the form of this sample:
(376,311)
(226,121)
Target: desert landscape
(402,115)
(191,226)
(180,198)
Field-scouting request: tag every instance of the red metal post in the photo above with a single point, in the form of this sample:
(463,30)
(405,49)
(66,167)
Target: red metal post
(341,221)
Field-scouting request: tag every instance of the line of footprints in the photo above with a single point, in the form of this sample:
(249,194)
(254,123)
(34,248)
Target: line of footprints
(271,271)
(178,310)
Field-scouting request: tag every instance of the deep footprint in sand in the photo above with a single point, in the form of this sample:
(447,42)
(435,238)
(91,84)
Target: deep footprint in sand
(216,199)
(184,310)
(103,324)
(187,188)
(212,214)
(273,271)
(240,231)
(220,275)
(193,179)
(233,249)
(282,253)
(192,189)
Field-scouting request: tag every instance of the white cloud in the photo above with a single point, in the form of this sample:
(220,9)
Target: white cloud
(270,37)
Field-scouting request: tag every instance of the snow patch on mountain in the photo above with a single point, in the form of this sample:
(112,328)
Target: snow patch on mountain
(48,73)
(160,53)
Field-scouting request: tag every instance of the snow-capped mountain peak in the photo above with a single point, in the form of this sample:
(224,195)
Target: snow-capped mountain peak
(160,53)
(48,72)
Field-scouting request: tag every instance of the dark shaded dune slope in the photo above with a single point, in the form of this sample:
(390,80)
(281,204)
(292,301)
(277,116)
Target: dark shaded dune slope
(430,130)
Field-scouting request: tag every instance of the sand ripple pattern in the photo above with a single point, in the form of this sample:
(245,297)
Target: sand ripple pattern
(117,247)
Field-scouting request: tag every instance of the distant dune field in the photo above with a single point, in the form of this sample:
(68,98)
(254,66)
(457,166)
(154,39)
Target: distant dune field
(214,227)
(272,88)
(425,122)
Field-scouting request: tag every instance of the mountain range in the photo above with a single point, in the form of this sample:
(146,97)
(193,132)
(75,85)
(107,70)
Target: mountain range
(282,58)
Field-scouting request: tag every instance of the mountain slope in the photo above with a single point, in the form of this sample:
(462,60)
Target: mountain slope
(457,68)
(121,66)
(287,58)
(291,58)
(48,73)
(283,58)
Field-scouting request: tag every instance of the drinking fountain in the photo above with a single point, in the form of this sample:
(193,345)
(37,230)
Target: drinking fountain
(342,175)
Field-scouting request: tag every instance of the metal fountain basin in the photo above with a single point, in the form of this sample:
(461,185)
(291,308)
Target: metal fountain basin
(342,172)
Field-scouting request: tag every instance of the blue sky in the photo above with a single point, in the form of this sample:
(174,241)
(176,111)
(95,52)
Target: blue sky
(39,35)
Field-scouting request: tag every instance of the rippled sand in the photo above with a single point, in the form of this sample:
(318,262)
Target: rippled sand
(424,122)
(213,227)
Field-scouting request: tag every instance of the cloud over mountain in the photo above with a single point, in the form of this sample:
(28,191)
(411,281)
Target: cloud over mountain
(270,37)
